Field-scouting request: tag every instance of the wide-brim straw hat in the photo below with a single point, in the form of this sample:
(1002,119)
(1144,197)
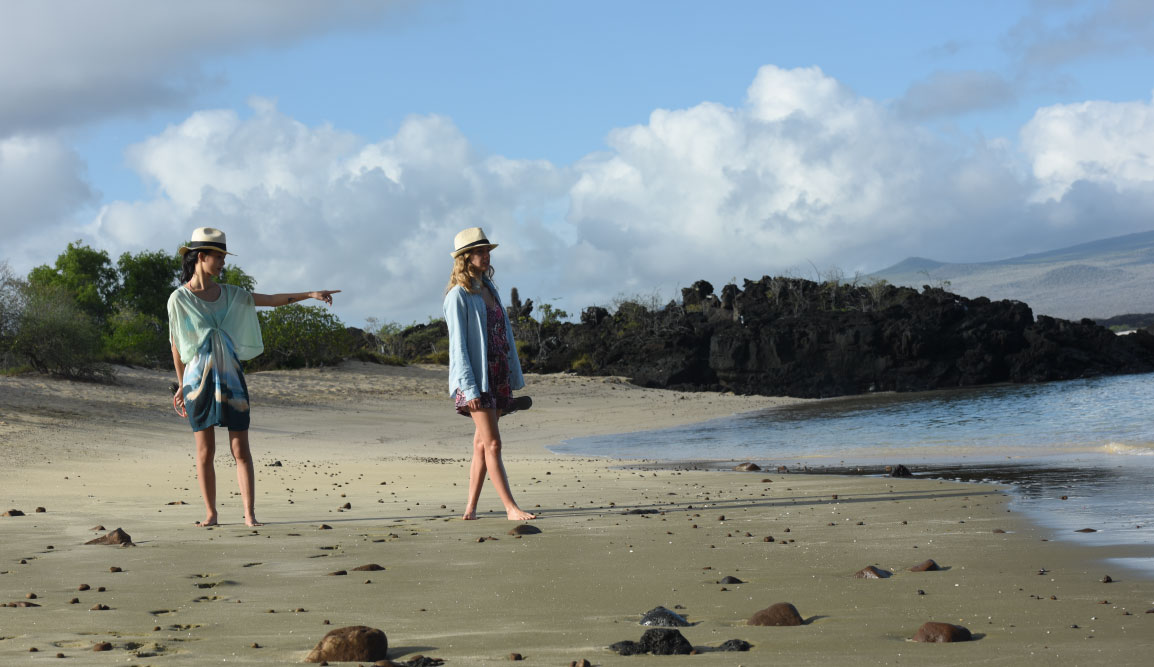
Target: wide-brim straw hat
(470,239)
(206,238)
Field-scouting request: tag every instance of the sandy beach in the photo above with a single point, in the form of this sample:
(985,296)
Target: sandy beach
(367,465)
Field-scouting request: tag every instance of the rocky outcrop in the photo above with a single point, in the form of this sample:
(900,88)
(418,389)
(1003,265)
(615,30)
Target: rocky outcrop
(794,337)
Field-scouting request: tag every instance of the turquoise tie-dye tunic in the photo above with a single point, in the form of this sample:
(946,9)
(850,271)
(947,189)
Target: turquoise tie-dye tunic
(213,337)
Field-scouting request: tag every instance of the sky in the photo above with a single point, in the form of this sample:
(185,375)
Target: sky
(612,149)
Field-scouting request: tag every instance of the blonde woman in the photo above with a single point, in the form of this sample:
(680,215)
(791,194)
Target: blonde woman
(213,327)
(483,366)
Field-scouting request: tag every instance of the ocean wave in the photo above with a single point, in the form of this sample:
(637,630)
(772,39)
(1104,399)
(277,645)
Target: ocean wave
(1128,450)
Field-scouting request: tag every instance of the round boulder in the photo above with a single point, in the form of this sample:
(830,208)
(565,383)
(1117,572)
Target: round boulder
(871,572)
(662,617)
(354,643)
(938,633)
(780,614)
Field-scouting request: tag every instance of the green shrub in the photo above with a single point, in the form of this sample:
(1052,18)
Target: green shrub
(583,365)
(136,338)
(55,336)
(300,336)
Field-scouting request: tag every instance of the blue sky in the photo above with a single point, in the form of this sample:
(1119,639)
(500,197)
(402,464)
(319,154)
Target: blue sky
(613,148)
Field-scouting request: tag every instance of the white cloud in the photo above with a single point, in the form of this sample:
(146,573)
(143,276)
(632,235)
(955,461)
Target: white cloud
(1106,143)
(312,207)
(64,62)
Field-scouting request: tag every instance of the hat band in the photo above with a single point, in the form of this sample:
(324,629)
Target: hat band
(200,245)
(474,243)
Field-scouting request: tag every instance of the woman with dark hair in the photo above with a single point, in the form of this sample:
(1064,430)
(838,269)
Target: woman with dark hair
(213,327)
(483,365)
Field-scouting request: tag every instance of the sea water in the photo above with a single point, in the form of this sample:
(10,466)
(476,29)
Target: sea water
(1075,454)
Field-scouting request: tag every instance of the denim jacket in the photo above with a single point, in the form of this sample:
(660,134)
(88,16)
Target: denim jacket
(468,348)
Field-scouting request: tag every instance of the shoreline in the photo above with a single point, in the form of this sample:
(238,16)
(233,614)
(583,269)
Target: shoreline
(384,440)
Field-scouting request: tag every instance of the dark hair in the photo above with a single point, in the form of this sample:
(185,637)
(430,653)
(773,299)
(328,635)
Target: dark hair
(188,266)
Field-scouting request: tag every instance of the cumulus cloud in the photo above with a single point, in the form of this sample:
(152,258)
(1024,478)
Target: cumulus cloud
(310,207)
(1105,143)
(805,173)
(65,62)
(42,181)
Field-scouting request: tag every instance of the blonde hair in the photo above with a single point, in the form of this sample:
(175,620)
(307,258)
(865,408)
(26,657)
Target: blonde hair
(465,275)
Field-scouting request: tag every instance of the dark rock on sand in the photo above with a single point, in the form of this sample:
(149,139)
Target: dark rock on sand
(525,529)
(658,641)
(14,513)
(938,633)
(662,641)
(780,614)
(96,528)
(871,572)
(1107,579)
(636,511)
(116,537)
(662,617)
(40,510)
(102,646)
(730,580)
(580,663)
(748,466)
(351,644)
(1086,530)
(735,645)
(338,573)
(371,567)
(20,603)
(926,566)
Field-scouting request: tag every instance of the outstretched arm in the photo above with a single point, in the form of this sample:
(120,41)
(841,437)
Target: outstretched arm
(275,300)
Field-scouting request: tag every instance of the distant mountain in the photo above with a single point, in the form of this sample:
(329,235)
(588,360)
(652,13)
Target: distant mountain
(1098,279)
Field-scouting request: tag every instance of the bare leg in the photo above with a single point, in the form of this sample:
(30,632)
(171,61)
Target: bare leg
(476,475)
(487,458)
(245,477)
(206,472)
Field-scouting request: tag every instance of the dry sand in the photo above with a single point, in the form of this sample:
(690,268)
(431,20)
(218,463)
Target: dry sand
(385,441)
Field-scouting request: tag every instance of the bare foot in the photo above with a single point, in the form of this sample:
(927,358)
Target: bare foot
(470,515)
(252,523)
(209,521)
(518,514)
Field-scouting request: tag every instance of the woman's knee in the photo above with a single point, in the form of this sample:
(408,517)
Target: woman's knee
(205,453)
(488,445)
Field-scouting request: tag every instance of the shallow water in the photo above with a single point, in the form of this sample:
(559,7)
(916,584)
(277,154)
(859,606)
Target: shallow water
(1091,441)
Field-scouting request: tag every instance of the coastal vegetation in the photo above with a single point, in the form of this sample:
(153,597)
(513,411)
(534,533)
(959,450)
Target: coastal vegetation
(777,335)
(80,315)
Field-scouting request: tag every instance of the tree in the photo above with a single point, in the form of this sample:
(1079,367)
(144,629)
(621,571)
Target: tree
(133,337)
(85,274)
(234,275)
(11,305)
(56,336)
(296,336)
(146,280)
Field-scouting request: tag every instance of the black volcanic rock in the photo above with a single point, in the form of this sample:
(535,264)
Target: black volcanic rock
(794,337)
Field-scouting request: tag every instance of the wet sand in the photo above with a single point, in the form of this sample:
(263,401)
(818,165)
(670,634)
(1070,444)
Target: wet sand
(385,442)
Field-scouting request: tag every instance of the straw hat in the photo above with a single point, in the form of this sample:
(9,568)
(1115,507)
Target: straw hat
(206,238)
(468,239)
